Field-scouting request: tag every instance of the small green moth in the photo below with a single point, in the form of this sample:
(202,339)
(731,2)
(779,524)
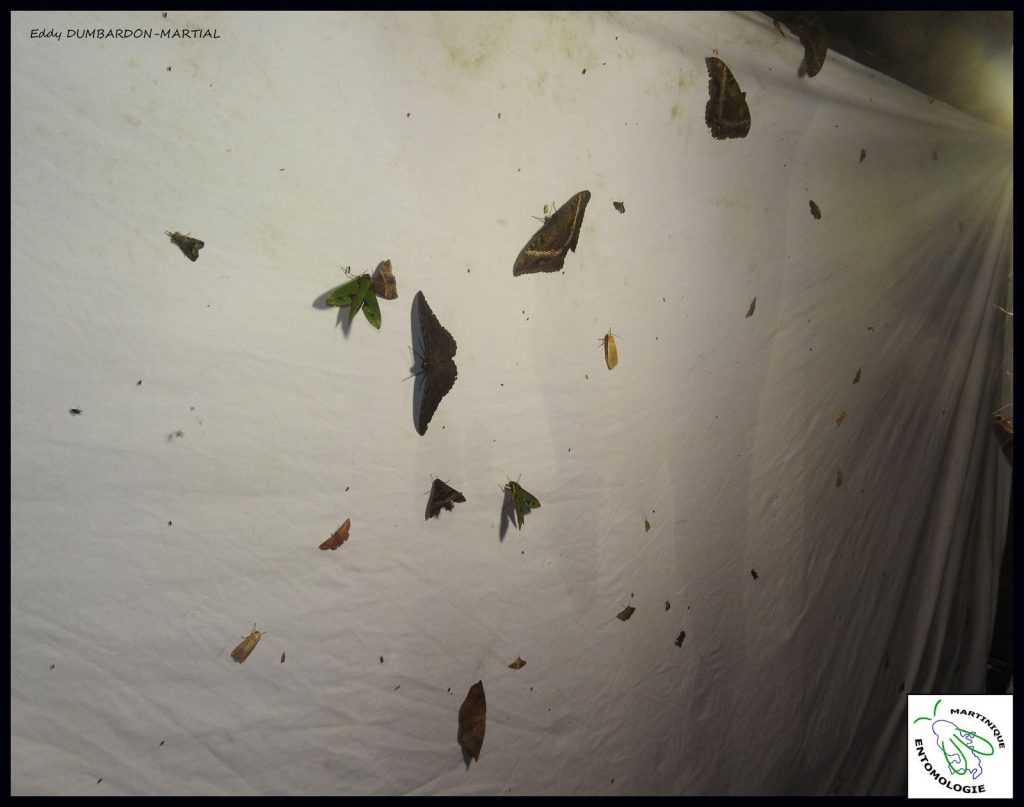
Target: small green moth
(647,525)
(357,293)
(522,500)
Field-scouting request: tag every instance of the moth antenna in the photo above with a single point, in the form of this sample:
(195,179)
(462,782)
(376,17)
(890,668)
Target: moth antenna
(1008,313)
(1001,408)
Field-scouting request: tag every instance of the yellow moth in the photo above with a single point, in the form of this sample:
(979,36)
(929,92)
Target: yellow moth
(247,645)
(611,355)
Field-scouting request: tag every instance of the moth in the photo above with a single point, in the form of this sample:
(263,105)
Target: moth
(438,366)
(750,311)
(856,378)
(518,664)
(357,293)
(522,501)
(611,353)
(190,246)
(625,613)
(546,250)
(839,478)
(473,721)
(75,411)
(726,114)
(667,605)
(442,495)
(679,639)
(338,537)
(809,28)
(647,525)
(247,645)
(815,210)
(282,661)
(840,419)
(753,574)
(620,206)
(384,282)
(863,155)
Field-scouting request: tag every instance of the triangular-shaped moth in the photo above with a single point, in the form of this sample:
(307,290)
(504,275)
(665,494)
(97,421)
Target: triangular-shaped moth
(546,250)
(442,495)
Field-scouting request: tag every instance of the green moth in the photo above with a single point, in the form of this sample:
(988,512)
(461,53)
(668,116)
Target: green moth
(647,525)
(357,293)
(522,500)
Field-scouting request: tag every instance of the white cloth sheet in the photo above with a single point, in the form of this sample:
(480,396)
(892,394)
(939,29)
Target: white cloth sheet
(295,144)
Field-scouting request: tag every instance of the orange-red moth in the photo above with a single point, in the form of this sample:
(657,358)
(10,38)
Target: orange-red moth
(339,536)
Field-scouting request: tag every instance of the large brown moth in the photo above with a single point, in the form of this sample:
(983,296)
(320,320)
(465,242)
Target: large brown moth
(438,369)
(190,246)
(726,114)
(546,250)
(473,720)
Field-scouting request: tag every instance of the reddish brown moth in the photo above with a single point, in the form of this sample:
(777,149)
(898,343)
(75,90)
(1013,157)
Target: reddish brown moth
(473,720)
(190,246)
(247,645)
(338,537)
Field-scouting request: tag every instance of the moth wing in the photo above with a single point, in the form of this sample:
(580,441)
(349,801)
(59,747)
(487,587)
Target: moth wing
(528,498)
(437,342)
(371,308)
(517,503)
(437,383)
(384,282)
(726,113)
(360,296)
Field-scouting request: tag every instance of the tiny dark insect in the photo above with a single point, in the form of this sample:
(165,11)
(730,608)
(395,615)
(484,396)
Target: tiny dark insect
(282,661)
(815,210)
(620,206)
(168,523)
(188,245)
(52,666)
(162,742)
(584,72)
(679,639)
(75,411)
(382,659)
(138,383)
(753,574)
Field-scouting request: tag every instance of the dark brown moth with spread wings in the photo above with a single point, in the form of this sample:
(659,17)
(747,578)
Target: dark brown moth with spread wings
(727,114)
(546,251)
(438,366)
(442,495)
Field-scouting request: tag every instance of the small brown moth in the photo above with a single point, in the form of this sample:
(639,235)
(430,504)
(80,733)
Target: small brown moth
(611,353)
(726,114)
(190,246)
(750,311)
(839,478)
(753,573)
(679,639)
(667,605)
(282,658)
(856,378)
(815,210)
(625,613)
(338,537)
(620,206)
(547,249)
(75,411)
(473,721)
(247,645)
(384,282)
(863,155)
(518,664)
(840,419)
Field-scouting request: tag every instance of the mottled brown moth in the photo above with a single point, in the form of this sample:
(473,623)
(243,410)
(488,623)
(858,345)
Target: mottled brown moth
(190,246)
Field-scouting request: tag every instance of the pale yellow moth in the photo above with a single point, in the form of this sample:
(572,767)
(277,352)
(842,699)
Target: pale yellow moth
(247,645)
